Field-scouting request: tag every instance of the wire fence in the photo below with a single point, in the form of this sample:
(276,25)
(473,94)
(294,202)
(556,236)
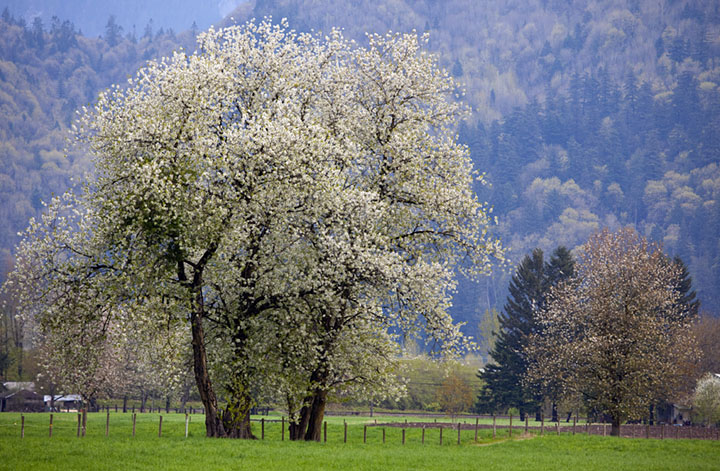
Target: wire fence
(464,431)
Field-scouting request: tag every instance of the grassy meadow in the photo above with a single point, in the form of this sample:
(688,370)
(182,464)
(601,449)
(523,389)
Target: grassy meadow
(146,451)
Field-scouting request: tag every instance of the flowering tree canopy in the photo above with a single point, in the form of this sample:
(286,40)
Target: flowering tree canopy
(615,335)
(284,202)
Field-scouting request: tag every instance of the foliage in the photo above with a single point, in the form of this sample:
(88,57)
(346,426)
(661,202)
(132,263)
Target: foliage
(278,202)
(504,378)
(605,113)
(615,336)
(706,401)
(706,331)
(454,395)
(422,378)
(488,330)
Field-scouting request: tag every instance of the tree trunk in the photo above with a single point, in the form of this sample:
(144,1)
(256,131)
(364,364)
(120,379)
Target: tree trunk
(554,412)
(615,430)
(236,420)
(651,415)
(298,428)
(317,414)
(213,425)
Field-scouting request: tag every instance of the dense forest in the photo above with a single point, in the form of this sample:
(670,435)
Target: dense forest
(585,114)
(90,16)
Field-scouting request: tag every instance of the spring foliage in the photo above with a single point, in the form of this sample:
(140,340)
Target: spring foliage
(615,336)
(281,201)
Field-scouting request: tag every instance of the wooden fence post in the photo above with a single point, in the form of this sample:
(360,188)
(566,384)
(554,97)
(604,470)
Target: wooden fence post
(364,433)
(510,429)
(477,419)
(493,424)
(282,428)
(84,421)
(383,435)
(22,426)
(403,436)
(459,432)
(325,432)
(262,428)
(79,424)
(160,427)
(527,422)
(662,432)
(557,427)
(187,424)
(107,423)
(441,429)
(423,435)
(134,421)
(647,430)
(604,429)
(344,432)
(51,424)
(574,423)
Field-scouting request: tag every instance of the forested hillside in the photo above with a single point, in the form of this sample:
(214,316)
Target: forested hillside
(585,114)
(46,73)
(90,16)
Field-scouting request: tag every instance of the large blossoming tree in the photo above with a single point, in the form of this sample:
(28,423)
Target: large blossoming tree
(286,202)
(617,335)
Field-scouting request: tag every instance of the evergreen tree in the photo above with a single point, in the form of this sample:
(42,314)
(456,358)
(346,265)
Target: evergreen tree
(503,378)
(690,305)
(113,32)
(504,386)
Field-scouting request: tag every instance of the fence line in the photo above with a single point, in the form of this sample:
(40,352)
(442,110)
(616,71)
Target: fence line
(662,431)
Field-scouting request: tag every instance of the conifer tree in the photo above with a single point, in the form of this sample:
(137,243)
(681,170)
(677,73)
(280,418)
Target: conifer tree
(504,377)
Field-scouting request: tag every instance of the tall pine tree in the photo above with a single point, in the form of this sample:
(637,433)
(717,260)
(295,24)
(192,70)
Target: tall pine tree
(503,378)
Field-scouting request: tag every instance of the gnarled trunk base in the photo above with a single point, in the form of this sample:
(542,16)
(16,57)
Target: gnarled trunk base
(309,424)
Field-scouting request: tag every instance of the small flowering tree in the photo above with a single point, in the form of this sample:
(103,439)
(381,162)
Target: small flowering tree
(706,400)
(281,202)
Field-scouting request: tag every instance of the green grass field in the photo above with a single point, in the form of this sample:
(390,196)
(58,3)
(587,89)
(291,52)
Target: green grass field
(146,451)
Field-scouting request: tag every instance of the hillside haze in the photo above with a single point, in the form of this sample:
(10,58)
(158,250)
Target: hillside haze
(91,17)
(585,114)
